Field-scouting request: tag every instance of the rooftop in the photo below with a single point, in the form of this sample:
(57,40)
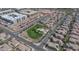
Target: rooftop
(5,47)
(23,47)
(27,12)
(12,16)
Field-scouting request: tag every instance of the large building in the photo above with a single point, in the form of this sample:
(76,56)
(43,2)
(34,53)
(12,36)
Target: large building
(13,17)
(6,11)
(30,13)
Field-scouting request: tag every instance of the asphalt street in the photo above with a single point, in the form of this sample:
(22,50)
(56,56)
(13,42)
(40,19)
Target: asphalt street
(45,39)
(23,40)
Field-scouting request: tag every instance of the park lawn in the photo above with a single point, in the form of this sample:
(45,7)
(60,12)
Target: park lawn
(34,33)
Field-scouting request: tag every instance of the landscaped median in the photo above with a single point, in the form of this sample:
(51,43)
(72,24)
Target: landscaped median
(35,32)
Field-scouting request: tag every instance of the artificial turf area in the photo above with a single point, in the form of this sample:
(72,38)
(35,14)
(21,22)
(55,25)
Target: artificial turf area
(34,33)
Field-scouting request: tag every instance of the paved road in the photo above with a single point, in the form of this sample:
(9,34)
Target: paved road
(38,48)
(23,40)
(45,39)
(36,21)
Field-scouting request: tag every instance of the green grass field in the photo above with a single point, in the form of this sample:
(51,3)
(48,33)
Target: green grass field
(34,33)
